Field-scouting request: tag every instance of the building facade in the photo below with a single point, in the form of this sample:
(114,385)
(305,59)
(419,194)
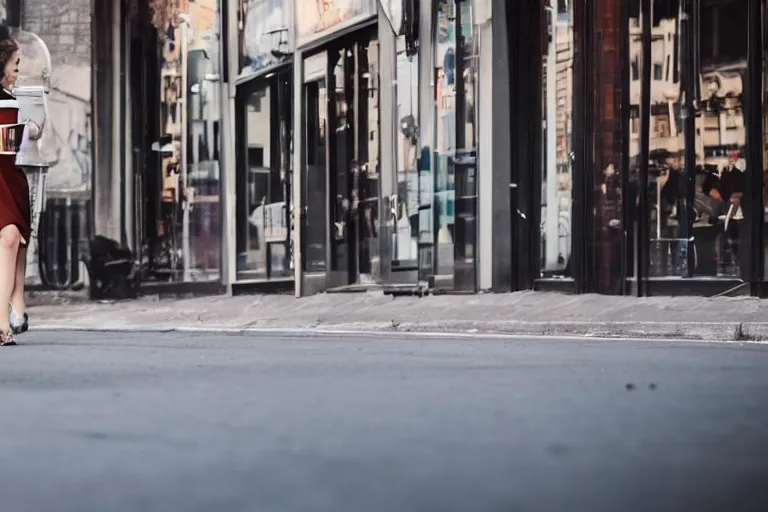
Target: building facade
(647,174)
(608,146)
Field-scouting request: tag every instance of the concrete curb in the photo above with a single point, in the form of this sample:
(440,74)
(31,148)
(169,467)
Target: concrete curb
(676,330)
(754,331)
(724,331)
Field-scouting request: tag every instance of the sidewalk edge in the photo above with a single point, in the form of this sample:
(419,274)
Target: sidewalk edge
(722,331)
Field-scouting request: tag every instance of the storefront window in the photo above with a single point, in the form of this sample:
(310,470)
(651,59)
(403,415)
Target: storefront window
(445,145)
(557,140)
(406,204)
(697,137)
(262,184)
(186,240)
(465,163)
(455,180)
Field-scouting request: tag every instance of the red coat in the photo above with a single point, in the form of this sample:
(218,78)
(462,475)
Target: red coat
(14,188)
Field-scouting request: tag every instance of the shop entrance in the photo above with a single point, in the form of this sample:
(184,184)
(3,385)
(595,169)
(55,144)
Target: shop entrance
(340,185)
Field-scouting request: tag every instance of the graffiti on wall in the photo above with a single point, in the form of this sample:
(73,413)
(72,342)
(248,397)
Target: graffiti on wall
(67,144)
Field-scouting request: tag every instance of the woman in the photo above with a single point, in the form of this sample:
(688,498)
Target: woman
(14,206)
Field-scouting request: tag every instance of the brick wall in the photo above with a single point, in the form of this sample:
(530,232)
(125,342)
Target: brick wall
(64,25)
(609,237)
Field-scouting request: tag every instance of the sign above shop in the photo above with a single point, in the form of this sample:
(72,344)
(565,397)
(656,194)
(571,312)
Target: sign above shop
(317,18)
(265,34)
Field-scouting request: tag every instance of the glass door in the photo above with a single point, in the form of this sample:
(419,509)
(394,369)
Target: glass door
(353,187)
(342,270)
(404,205)
(366,168)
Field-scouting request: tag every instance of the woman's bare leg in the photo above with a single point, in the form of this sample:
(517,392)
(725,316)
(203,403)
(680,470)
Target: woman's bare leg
(10,241)
(17,296)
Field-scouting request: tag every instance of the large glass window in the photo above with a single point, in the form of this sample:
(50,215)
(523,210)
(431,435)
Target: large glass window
(557,141)
(696,135)
(445,144)
(263,186)
(183,237)
(405,204)
(455,180)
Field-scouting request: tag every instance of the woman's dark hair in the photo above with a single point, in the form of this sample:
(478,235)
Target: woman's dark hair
(8,46)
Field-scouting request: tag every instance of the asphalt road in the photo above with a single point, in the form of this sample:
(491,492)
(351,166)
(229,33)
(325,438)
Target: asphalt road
(172,422)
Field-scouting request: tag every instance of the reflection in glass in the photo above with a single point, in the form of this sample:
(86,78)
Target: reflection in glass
(366,176)
(465,160)
(263,192)
(445,145)
(341,147)
(557,172)
(187,225)
(253,260)
(700,203)
(405,205)
(454,184)
(203,116)
(314,184)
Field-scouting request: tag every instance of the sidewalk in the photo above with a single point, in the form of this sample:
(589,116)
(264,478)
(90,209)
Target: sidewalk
(524,313)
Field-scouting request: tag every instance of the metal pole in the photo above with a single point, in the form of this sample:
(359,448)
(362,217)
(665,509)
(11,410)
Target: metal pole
(643,242)
(183,118)
(689,127)
(297,170)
